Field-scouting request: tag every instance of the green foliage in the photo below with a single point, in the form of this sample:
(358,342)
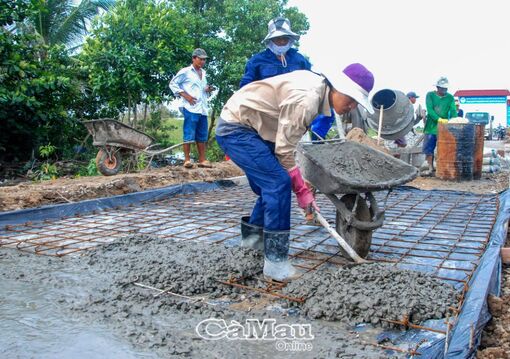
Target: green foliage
(214,153)
(168,133)
(43,91)
(90,169)
(47,150)
(13,11)
(47,170)
(142,161)
(65,21)
(133,52)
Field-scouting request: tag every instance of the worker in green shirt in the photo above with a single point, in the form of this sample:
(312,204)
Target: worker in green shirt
(440,106)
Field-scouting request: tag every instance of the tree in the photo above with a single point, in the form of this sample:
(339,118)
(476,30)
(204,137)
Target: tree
(133,51)
(37,93)
(136,48)
(65,21)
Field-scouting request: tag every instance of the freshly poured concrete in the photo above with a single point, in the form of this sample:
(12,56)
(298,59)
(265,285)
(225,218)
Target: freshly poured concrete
(370,293)
(92,302)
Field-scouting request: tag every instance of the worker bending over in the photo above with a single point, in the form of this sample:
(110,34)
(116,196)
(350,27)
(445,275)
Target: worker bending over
(259,129)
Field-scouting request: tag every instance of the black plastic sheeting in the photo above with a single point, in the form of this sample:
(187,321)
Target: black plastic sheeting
(485,281)
(474,313)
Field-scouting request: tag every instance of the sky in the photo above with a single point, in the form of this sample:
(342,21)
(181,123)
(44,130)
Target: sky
(409,44)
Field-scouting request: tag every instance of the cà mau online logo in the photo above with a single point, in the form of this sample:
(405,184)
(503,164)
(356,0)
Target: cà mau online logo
(252,329)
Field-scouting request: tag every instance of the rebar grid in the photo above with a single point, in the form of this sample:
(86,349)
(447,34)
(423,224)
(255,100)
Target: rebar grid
(441,233)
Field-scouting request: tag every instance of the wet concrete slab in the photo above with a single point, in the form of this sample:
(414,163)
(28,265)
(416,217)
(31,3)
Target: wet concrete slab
(441,234)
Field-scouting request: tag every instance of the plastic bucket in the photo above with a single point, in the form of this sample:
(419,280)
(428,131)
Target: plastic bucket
(455,151)
(478,151)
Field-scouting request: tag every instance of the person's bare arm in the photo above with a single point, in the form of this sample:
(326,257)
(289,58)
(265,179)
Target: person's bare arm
(188,97)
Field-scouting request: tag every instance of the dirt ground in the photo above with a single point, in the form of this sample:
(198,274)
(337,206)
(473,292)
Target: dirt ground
(64,190)
(496,337)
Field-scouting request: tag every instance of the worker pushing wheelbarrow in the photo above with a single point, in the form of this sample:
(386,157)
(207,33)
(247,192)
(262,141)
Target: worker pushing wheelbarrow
(115,139)
(260,127)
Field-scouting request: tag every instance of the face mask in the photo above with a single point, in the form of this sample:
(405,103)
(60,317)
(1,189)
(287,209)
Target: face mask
(279,50)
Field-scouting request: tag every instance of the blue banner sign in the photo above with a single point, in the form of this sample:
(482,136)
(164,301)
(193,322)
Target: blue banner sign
(482,99)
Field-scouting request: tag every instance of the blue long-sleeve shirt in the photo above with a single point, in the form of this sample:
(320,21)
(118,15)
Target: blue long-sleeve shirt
(265,64)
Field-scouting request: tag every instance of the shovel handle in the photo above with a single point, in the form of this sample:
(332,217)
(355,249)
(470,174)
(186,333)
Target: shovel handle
(352,253)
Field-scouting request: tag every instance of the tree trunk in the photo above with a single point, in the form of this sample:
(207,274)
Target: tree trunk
(129,109)
(135,117)
(144,117)
(211,125)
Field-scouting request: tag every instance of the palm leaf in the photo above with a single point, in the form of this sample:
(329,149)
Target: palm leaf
(64,22)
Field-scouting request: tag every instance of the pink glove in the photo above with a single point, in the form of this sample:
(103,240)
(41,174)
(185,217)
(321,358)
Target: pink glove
(303,194)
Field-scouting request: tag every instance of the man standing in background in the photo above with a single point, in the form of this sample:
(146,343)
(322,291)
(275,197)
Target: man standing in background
(279,57)
(190,84)
(440,107)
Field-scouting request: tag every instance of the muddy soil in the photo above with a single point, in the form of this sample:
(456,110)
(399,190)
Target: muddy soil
(372,293)
(65,190)
(114,295)
(489,183)
(496,336)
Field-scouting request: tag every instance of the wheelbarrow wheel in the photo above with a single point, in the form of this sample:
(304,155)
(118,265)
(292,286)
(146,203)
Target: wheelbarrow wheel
(108,165)
(359,240)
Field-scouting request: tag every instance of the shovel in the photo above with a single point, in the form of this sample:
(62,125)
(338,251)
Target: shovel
(309,215)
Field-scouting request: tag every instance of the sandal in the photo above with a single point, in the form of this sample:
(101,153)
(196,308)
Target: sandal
(427,173)
(188,164)
(205,164)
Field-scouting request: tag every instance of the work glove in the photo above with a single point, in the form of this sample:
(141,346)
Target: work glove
(442,120)
(304,195)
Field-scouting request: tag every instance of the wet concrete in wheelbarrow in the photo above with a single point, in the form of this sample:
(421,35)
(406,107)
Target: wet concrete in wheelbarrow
(109,302)
(356,163)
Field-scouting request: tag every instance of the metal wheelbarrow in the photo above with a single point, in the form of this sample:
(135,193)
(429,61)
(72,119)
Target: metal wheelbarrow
(114,139)
(353,171)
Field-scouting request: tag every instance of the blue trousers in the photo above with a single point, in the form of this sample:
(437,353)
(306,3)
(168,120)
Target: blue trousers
(266,176)
(429,144)
(194,127)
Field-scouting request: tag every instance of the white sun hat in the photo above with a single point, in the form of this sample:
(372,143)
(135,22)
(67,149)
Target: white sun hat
(277,27)
(355,81)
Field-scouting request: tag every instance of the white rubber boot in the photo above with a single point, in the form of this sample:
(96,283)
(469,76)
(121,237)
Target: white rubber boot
(280,271)
(276,257)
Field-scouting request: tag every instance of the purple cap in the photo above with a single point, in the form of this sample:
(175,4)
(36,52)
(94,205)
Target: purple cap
(354,81)
(359,74)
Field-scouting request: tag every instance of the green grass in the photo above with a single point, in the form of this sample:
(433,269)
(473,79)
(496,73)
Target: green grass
(169,133)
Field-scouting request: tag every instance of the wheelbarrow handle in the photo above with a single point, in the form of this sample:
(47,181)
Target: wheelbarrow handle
(164,150)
